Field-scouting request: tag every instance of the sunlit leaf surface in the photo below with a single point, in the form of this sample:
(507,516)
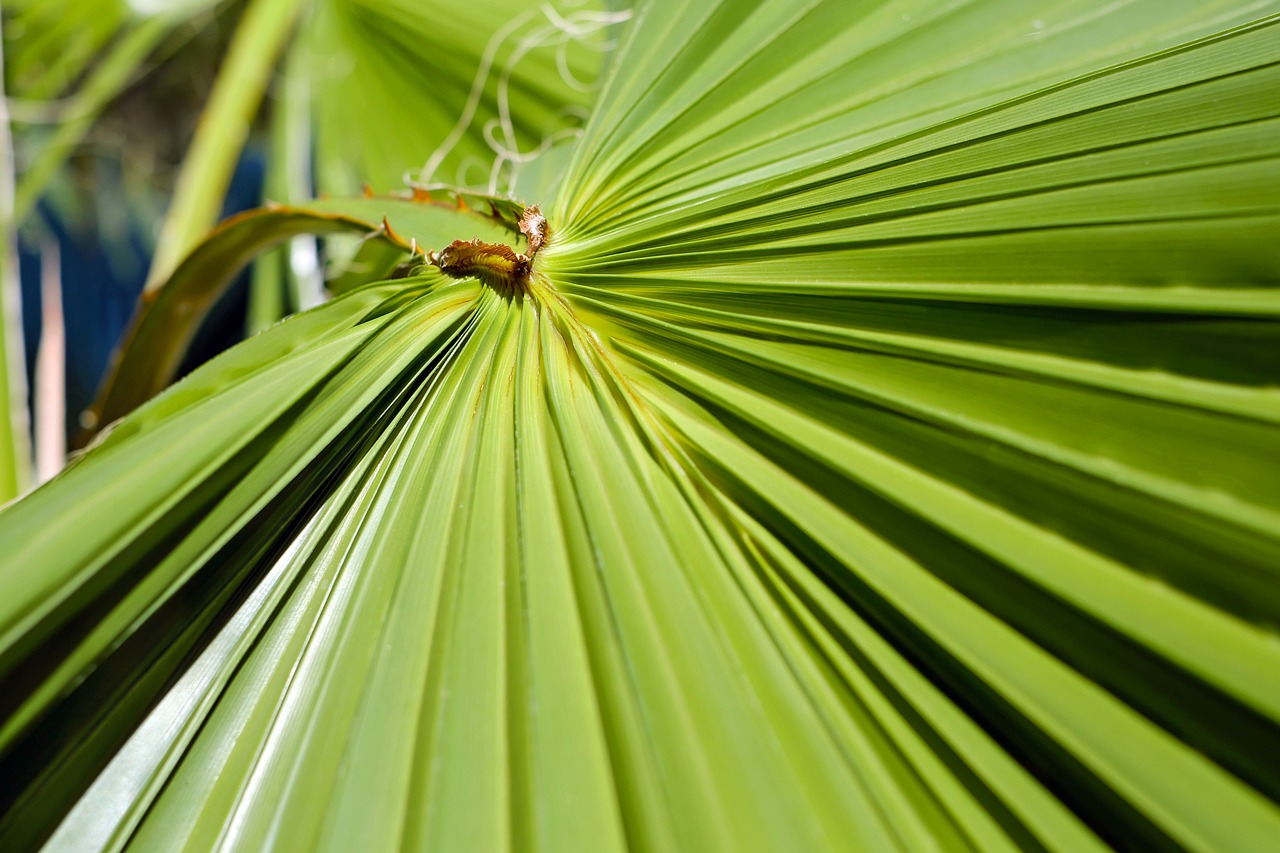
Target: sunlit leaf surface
(882,456)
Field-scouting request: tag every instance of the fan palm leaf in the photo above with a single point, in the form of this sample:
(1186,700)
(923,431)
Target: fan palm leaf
(880,454)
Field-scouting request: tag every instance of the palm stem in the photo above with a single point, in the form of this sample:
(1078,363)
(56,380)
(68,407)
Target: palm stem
(259,38)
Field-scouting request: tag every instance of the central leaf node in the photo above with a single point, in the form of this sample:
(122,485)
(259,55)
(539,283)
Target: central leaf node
(496,264)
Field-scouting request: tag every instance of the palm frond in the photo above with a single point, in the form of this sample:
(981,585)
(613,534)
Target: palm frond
(881,455)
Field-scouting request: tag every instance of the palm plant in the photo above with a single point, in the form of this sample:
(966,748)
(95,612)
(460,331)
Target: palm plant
(868,441)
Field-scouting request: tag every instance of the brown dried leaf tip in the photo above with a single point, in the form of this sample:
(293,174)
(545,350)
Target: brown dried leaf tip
(533,225)
(496,264)
(390,232)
